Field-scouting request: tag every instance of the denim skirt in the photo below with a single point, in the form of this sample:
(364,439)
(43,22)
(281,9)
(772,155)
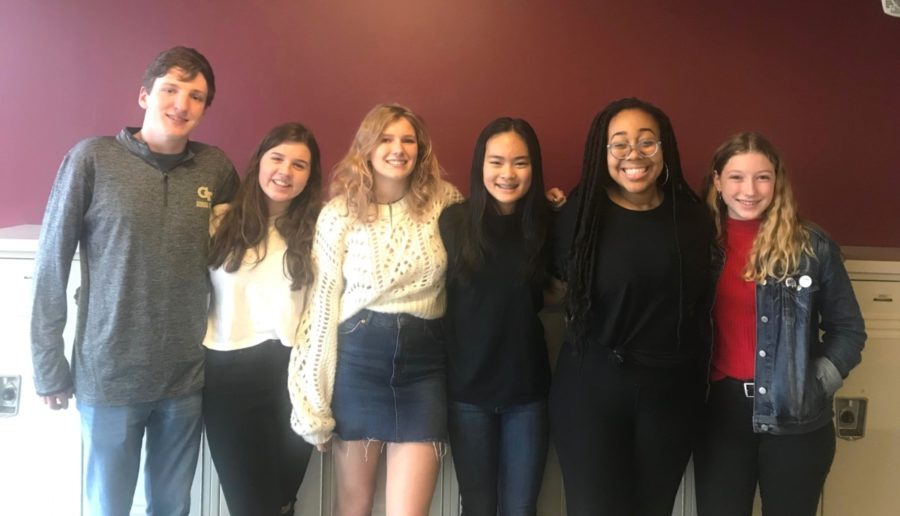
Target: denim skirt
(390,383)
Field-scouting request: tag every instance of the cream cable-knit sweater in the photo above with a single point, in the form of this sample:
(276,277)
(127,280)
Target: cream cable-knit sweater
(394,264)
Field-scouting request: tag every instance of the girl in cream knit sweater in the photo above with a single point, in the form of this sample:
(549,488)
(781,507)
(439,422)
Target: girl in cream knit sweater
(368,375)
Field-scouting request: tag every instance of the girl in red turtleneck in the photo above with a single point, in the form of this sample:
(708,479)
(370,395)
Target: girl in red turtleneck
(787,330)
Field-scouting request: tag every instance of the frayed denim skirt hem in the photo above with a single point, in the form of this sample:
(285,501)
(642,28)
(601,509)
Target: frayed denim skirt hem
(390,382)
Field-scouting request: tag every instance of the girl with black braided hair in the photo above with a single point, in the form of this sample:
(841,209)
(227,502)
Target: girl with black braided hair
(633,245)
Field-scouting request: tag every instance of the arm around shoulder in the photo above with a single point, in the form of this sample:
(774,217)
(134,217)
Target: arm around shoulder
(562,235)
(449,194)
(229,184)
(215,217)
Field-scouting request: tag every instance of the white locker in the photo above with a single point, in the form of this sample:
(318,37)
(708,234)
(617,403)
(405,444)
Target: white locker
(40,449)
(866,469)
(41,459)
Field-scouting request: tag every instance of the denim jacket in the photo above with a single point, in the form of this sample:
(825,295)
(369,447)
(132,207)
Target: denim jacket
(809,335)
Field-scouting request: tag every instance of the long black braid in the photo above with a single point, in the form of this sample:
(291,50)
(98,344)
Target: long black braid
(591,190)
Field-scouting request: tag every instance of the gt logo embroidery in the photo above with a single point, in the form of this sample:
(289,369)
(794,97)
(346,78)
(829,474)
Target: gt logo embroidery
(204,195)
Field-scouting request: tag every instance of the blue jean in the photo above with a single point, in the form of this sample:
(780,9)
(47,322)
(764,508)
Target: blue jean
(499,455)
(390,382)
(112,441)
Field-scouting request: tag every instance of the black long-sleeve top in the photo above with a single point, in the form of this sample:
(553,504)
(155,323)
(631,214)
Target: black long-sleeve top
(496,350)
(652,281)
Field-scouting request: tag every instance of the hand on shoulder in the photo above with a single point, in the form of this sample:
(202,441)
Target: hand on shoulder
(215,216)
(449,193)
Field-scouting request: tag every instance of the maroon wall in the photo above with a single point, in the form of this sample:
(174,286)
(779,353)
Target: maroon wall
(824,85)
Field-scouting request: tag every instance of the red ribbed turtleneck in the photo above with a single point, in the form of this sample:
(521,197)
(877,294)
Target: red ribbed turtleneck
(734,312)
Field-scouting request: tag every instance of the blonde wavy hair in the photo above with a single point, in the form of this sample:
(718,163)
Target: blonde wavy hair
(782,239)
(354,178)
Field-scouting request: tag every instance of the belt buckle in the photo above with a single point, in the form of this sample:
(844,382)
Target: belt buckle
(748,389)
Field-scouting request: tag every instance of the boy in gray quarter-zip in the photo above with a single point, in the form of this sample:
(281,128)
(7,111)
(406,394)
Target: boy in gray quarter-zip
(137,207)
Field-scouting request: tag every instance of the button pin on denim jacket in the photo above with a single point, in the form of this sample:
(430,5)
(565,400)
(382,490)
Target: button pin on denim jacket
(790,283)
(805,281)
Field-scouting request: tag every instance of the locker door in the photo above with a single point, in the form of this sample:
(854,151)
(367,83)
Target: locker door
(863,478)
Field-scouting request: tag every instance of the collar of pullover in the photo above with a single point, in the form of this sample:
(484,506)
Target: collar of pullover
(140,148)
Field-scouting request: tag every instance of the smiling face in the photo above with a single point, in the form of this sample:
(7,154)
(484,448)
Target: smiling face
(283,173)
(507,170)
(173,108)
(394,159)
(747,185)
(636,174)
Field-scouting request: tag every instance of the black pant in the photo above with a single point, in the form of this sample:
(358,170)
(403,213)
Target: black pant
(730,459)
(623,433)
(246,410)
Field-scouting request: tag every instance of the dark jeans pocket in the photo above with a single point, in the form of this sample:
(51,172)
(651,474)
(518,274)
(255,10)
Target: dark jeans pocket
(353,324)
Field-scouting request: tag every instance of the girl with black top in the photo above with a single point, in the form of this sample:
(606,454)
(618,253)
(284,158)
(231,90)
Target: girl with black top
(498,370)
(630,381)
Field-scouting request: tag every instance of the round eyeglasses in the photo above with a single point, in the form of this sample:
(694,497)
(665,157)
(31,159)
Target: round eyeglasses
(646,148)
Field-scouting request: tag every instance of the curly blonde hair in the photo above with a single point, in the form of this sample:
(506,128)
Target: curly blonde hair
(782,239)
(353,175)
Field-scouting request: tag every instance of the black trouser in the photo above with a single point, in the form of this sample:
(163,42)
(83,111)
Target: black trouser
(623,433)
(730,459)
(246,410)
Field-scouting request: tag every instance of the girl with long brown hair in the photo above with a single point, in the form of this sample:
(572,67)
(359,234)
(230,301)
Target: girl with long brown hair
(260,269)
